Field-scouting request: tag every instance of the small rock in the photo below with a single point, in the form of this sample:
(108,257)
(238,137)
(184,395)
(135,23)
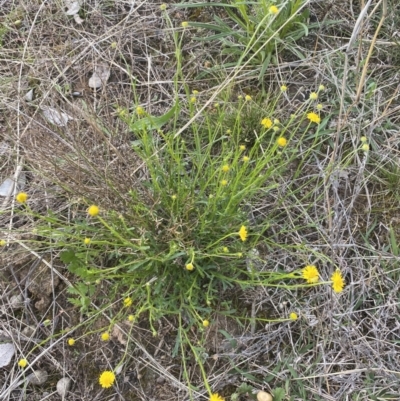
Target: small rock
(73,8)
(100,76)
(55,117)
(38,377)
(63,386)
(17,301)
(7,351)
(264,396)
(6,187)
(29,96)
(78,19)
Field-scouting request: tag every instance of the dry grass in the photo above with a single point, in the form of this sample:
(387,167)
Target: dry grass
(342,348)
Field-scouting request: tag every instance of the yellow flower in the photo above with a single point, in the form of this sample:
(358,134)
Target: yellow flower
(225,249)
(283,88)
(242,147)
(127,302)
(321,88)
(229,131)
(313,95)
(365,147)
(216,397)
(189,267)
(87,241)
(206,323)
(247,97)
(320,106)
(224,183)
(225,168)
(243,233)
(363,139)
(71,342)
(163,7)
(22,363)
(274,10)
(131,318)
(105,336)
(173,197)
(293,316)
(22,197)
(140,111)
(93,210)
(266,122)
(314,118)
(107,379)
(281,141)
(192,100)
(195,92)
(337,281)
(2,242)
(245,159)
(310,273)
(185,24)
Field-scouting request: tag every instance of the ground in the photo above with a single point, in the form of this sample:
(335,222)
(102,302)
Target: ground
(343,347)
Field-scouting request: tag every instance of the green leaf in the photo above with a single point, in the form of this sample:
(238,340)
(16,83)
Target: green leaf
(151,123)
(68,256)
(264,66)
(279,394)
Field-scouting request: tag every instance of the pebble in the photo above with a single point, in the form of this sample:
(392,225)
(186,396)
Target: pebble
(264,396)
(38,377)
(63,386)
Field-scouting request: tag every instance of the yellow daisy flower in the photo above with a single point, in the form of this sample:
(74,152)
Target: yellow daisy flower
(281,141)
(337,281)
(243,233)
(93,210)
(189,267)
(314,117)
(107,379)
(310,273)
(21,197)
(22,363)
(128,302)
(266,122)
(216,397)
(274,10)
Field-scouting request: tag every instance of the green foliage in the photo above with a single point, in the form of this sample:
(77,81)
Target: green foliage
(252,33)
(184,238)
